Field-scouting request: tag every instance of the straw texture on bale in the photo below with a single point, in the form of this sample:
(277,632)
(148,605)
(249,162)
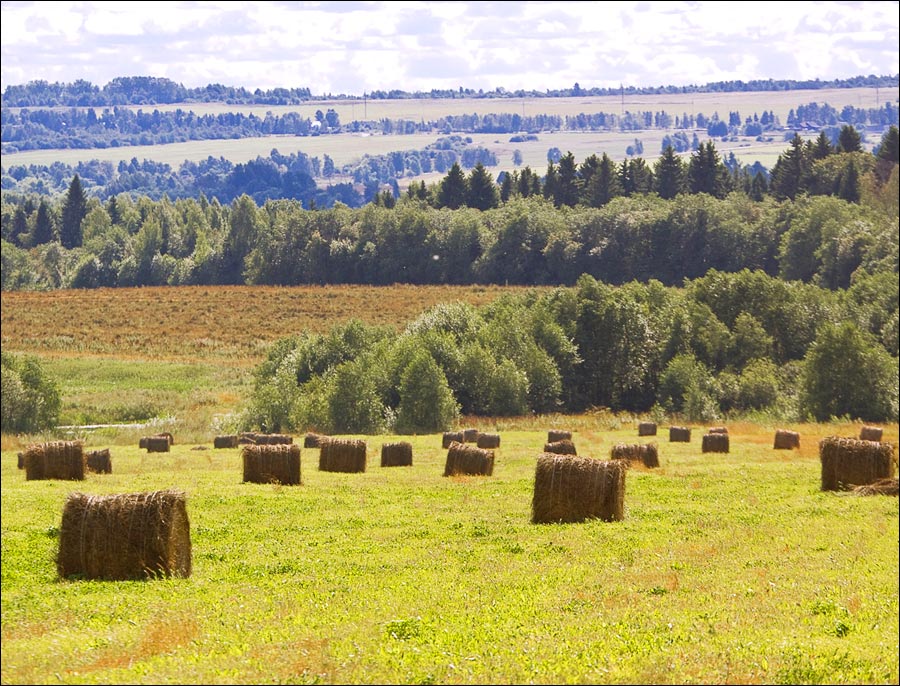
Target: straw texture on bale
(470,435)
(786,440)
(568,488)
(451,436)
(278,463)
(488,441)
(679,434)
(54,460)
(647,429)
(125,536)
(848,462)
(880,487)
(396,454)
(560,447)
(715,443)
(157,444)
(555,435)
(227,441)
(98,461)
(342,455)
(871,433)
(464,458)
(645,453)
(312,440)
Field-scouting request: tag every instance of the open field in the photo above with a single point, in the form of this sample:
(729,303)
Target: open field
(186,354)
(726,568)
(348,148)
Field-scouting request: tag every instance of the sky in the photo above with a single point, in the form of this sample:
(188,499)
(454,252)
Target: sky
(356,47)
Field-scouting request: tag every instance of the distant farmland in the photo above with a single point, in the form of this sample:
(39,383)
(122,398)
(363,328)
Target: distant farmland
(348,148)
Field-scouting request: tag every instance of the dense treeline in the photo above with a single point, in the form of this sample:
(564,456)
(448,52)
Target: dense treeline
(290,176)
(149,90)
(822,217)
(725,344)
(35,129)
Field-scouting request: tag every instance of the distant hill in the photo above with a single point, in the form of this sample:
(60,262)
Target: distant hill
(150,90)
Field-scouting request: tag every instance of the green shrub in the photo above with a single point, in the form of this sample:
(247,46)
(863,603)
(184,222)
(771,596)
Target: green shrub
(29,398)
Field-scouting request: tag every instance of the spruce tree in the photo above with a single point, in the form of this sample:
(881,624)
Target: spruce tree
(669,174)
(452,190)
(73,213)
(482,191)
(43,226)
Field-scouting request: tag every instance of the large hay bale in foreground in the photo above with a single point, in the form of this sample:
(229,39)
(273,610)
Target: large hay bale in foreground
(880,487)
(126,536)
(488,441)
(715,443)
(452,436)
(645,453)
(342,455)
(278,463)
(396,454)
(786,440)
(54,460)
(848,462)
(470,435)
(463,458)
(98,461)
(647,429)
(568,488)
(679,434)
(554,435)
(871,433)
(561,447)
(313,440)
(226,441)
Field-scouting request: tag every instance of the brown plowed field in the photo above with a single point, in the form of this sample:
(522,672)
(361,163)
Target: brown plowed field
(233,323)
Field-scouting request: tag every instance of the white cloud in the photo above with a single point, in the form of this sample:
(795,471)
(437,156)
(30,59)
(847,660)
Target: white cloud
(348,47)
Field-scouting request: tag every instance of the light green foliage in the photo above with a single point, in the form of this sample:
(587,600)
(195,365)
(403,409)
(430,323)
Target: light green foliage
(426,401)
(30,398)
(848,373)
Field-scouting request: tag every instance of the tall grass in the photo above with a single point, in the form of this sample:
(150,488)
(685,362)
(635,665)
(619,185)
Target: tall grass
(726,568)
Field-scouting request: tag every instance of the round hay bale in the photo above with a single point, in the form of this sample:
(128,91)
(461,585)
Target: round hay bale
(470,435)
(647,429)
(645,453)
(98,461)
(717,430)
(249,438)
(169,437)
(277,463)
(142,442)
(488,441)
(157,444)
(786,440)
(396,454)
(871,433)
(464,458)
(880,487)
(848,462)
(126,536)
(21,460)
(226,441)
(679,434)
(312,440)
(568,488)
(452,436)
(274,439)
(342,455)
(555,435)
(54,460)
(561,447)
(715,443)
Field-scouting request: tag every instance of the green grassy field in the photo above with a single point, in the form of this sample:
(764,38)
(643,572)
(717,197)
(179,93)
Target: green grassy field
(726,568)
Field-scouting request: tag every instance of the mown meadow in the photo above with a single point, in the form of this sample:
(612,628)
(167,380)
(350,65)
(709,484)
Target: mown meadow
(726,568)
